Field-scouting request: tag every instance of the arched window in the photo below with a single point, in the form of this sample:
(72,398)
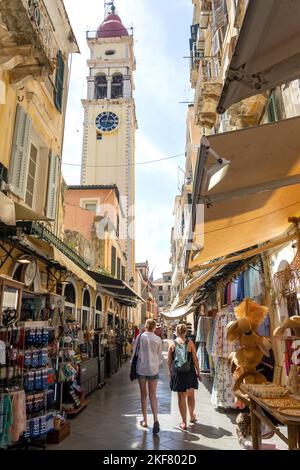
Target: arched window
(86,299)
(70,294)
(100,87)
(117,86)
(99,304)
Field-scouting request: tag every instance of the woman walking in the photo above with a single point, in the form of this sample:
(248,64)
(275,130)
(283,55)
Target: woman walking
(149,359)
(184,373)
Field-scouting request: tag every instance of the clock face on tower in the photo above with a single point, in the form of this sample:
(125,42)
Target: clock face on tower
(107,121)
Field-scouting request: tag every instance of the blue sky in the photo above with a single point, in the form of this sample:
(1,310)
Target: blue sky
(161,31)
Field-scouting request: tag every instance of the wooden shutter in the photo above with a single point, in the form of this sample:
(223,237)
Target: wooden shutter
(272,109)
(20,153)
(118,268)
(113,261)
(59,82)
(52,186)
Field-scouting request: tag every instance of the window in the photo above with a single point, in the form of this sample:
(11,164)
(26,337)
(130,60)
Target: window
(98,322)
(86,299)
(70,294)
(110,52)
(123,273)
(90,207)
(100,87)
(169,288)
(160,298)
(118,268)
(117,86)
(31,174)
(160,288)
(113,261)
(59,82)
(99,304)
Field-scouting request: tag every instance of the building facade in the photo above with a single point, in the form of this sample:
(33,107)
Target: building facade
(92,224)
(110,121)
(162,291)
(148,309)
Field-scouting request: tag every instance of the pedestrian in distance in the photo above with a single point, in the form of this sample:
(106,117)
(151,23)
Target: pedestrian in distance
(184,374)
(149,359)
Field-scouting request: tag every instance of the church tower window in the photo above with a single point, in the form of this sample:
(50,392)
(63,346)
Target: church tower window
(100,87)
(117,86)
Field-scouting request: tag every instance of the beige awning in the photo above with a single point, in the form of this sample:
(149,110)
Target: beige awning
(178,313)
(25,213)
(7,210)
(253,201)
(65,262)
(267,53)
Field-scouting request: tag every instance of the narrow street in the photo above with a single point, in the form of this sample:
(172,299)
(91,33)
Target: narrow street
(111,420)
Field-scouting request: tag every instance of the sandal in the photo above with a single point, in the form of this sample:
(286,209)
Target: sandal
(194,419)
(182,426)
(156,427)
(143,424)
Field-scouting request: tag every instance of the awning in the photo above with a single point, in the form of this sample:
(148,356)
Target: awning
(65,262)
(116,288)
(7,210)
(253,201)
(178,313)
(25,213)
(267,53)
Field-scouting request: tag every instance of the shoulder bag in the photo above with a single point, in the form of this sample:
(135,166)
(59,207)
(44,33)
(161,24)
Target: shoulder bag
(133,372)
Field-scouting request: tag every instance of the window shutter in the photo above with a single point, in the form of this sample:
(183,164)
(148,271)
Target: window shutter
(52,186)
(272,109)
(20,153)
(59,82)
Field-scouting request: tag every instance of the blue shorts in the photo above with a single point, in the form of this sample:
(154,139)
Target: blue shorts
(148,377)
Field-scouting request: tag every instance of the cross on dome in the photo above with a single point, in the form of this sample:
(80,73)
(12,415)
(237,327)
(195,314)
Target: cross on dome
(112,25)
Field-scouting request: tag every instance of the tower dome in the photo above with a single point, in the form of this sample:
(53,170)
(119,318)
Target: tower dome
(112,27)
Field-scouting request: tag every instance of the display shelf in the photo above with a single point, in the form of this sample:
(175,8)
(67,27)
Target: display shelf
(75,412)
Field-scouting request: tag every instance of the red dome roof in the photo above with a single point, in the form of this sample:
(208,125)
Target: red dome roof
(112,27)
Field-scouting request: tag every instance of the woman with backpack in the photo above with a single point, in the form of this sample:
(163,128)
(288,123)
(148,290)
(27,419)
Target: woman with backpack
(184,373)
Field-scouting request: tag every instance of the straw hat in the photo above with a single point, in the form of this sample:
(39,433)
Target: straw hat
(250,309)
(292,322)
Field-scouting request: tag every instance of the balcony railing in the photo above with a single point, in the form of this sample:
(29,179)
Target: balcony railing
(93,34)
(30,38)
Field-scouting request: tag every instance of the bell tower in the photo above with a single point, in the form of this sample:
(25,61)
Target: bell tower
(110,120)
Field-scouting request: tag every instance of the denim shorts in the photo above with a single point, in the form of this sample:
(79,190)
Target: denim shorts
(148,377)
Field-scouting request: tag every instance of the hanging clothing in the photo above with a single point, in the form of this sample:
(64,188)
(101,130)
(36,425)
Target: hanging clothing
(256,281)
(264,328)
(7,420)
(233,291)
(222,392)
(220,348)
(247,290)
(19,415)
(240,292)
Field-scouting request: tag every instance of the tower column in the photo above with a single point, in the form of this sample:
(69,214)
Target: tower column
(91,88)
(127,87)
(109,80)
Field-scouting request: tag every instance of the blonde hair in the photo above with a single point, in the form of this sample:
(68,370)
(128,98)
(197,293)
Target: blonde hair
(150,324)
(181,329)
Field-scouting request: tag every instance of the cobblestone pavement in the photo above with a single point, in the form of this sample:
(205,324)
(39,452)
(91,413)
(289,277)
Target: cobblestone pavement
(111,420)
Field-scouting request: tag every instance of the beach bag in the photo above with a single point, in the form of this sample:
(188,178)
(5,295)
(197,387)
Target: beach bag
(133,373)
(182,362)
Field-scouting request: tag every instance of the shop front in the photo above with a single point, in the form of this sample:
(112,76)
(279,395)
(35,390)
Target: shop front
(244,277)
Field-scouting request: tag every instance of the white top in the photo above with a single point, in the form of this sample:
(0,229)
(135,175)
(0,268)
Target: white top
(150,353)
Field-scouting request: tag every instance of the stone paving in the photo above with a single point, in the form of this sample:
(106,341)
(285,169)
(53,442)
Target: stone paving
(111,420)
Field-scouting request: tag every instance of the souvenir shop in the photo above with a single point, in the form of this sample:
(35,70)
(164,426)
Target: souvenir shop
(215,312)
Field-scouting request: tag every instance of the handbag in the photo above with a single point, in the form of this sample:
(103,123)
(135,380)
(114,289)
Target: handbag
(133,372)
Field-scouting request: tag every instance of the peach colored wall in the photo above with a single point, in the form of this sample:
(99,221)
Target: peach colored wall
(79,220)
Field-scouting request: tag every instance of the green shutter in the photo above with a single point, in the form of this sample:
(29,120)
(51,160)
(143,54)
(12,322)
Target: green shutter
(59,82)
(52,186)
(113,261)
(272,109)
(20,153)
